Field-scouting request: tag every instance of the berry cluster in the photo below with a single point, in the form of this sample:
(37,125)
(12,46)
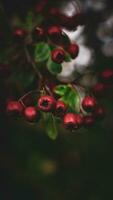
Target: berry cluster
(64,104)
(55,37)
(72,121)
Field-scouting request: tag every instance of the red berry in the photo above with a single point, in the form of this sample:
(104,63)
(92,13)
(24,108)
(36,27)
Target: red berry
(54,11)
(46,103)
(73,50)
(41,6)
(54,32)
(5,70)
(72,121)
(31,113)
(38,34)
(67,22)
(58,55)
(107,76)
(99,89)
(89,121)
(19,34)
(99,112)
(89,103)
(79,120)
(14,108)
(60,108)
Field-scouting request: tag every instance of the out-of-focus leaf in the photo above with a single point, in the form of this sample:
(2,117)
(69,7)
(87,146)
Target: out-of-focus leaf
(50,126)
(42,52)
(53,67)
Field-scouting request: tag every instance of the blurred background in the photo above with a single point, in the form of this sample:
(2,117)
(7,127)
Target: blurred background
(75,166)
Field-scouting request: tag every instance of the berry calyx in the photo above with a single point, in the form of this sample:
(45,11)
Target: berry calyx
(89,104)
(58,55)
(46,103)
(14,108)
(60,108)
(73,50)
(107,76)
(38,34)
(19,34)
(31,114)
(88,121)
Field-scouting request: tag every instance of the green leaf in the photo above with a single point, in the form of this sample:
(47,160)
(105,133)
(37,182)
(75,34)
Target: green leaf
(51,129)
(53,67)
(67,58)
(42,52)
(29,21)
(61,90)
(71,98)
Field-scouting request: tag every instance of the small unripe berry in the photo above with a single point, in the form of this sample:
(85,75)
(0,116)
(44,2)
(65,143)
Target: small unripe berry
(89,121)
(46,103)
(58,55)
(19,34)
(99,112)
(89,104)
(107,76)
(99,89)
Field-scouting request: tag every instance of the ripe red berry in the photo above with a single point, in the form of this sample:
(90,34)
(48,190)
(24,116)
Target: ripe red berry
(67,22)
(73,50)
(99,112)
(14,108)
(54,32)
(99,89)
(58,55)
(72,121)
(107,76)
(38,34)
(89,104)
(19,34)
(31,113)
(79,120)
(46,103)
(89,121)
(60,108)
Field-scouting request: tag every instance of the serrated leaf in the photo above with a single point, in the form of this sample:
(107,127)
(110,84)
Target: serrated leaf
(61,90)
(42,52)
(53,67)
(51,129)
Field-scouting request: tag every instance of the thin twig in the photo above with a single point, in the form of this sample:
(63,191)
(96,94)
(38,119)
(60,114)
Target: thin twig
(31,61)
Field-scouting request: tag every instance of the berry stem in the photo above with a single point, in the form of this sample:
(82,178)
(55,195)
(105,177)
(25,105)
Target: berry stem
(27,94)
(48,90)
(31,61)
